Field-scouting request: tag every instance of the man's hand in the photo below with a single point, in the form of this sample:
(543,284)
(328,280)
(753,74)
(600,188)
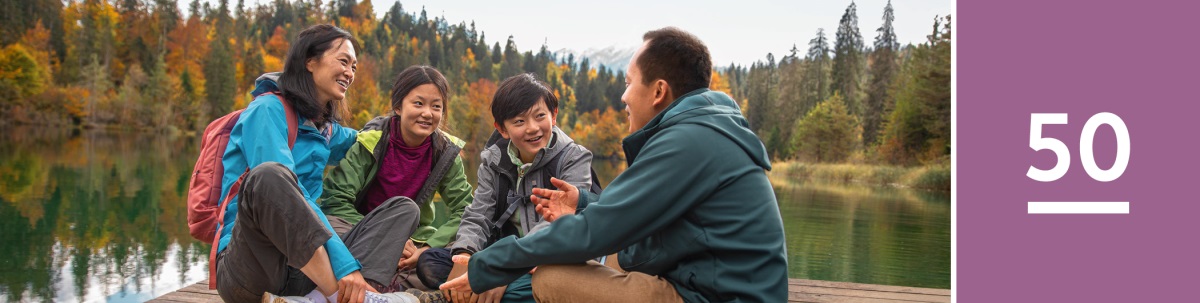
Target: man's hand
(410,256)
(460,288)
(353,288)
(556,203)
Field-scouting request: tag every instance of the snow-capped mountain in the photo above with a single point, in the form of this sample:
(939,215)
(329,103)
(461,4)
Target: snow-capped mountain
(613,57)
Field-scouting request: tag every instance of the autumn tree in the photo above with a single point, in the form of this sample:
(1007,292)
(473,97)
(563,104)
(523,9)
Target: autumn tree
(20,74)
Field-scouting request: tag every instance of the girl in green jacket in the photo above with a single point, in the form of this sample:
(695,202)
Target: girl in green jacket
(398,159)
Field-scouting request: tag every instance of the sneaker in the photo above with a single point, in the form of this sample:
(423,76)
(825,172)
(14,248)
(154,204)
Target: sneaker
(272,298)
(392,297)
(433,296)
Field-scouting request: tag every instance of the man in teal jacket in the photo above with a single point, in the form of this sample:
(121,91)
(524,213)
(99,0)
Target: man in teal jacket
(694,217)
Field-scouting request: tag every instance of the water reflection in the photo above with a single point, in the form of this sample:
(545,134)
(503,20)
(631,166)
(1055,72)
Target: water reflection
(866,235)
(94,216)
(101,216)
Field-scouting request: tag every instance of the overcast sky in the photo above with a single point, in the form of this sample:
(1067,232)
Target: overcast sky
(741,31)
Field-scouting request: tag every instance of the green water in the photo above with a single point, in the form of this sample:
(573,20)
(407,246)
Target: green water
(100,216)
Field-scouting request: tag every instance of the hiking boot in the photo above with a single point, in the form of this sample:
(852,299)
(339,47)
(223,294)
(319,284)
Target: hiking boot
(391,297)
(272,298)
(433,296)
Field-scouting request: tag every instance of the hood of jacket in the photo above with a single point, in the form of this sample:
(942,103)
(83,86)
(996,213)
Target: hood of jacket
(268,82)
(712,109)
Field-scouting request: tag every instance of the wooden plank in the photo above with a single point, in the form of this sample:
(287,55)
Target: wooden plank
(859,293)
(872,287)
(799,290)
(820,298)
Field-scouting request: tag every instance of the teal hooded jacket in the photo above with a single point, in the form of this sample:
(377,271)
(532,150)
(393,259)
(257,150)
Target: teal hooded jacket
(260,136)
(694,207)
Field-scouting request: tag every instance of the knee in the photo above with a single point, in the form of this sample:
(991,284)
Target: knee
(551,276)
(402,206)
(433,267)
(269,173)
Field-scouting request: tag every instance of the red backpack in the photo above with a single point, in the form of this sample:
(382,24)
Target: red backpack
(205,212)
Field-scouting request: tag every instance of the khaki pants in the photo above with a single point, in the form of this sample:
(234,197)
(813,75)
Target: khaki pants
(595,282)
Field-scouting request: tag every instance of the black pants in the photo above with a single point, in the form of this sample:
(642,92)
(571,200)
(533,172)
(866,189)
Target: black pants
(276,232)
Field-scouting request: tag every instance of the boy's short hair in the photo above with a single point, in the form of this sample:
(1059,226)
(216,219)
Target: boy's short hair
(518,94)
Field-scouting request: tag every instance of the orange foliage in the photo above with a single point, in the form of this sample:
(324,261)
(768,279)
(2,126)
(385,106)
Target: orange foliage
(364,93)
(272,63)
(601,132)
(186,46)
(718,83)
(470,117)
(278,45)
(38,41)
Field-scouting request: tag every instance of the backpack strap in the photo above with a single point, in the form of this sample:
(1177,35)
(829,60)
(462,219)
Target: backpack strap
(293,121)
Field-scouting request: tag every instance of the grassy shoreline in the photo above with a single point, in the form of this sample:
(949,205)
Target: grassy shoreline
(934,177)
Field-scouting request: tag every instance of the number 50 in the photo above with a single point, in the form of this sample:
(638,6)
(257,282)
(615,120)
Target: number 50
(1037,142)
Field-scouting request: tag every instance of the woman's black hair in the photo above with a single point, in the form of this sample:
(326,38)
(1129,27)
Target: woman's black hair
(297,83)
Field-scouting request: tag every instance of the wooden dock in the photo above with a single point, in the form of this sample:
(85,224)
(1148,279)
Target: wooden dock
(799,290)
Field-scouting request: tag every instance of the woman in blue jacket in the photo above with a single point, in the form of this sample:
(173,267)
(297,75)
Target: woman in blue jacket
(273,237)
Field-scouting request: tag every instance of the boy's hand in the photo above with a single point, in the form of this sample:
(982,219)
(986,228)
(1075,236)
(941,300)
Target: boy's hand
(556,203)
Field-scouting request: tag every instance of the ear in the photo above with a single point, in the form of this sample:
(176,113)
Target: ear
(500,129)
(553,116)
(396,111)
(662,93)
(310,64)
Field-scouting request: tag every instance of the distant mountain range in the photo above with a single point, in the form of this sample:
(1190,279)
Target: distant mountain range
(613,57)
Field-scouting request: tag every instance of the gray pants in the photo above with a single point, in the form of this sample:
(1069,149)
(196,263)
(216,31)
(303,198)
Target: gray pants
(276,233)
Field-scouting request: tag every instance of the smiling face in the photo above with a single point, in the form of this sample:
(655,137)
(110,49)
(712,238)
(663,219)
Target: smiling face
(530,130)
(420,114)
(333,71)
(642,100)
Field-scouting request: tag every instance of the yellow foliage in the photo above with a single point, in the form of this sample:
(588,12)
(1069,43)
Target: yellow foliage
(718,83)
(272,63)
(601,132)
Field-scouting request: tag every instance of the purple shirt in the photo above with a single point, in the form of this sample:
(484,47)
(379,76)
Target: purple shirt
(403,171)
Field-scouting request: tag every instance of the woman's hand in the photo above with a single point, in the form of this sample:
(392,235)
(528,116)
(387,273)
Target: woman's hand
(353,288)
(410,256)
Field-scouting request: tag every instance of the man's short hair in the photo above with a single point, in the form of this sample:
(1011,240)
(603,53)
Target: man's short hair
(677,57)
(518,94)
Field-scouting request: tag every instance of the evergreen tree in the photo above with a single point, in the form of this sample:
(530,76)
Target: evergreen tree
(828,133)
(219,70)
(918,129)
(883,69)
(816,84)
(848,61)
(512,60)
(497,56)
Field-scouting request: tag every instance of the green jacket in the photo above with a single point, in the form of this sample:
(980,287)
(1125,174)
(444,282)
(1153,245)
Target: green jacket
(345,186)
(694,207)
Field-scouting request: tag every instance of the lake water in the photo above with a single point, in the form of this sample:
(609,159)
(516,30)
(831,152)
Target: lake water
(100,216)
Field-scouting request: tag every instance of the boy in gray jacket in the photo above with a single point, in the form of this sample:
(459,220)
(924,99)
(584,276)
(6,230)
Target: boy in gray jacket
(524,152)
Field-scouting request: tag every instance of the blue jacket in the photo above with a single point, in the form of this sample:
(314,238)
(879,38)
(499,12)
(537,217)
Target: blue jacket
(694,207)
(261,135)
